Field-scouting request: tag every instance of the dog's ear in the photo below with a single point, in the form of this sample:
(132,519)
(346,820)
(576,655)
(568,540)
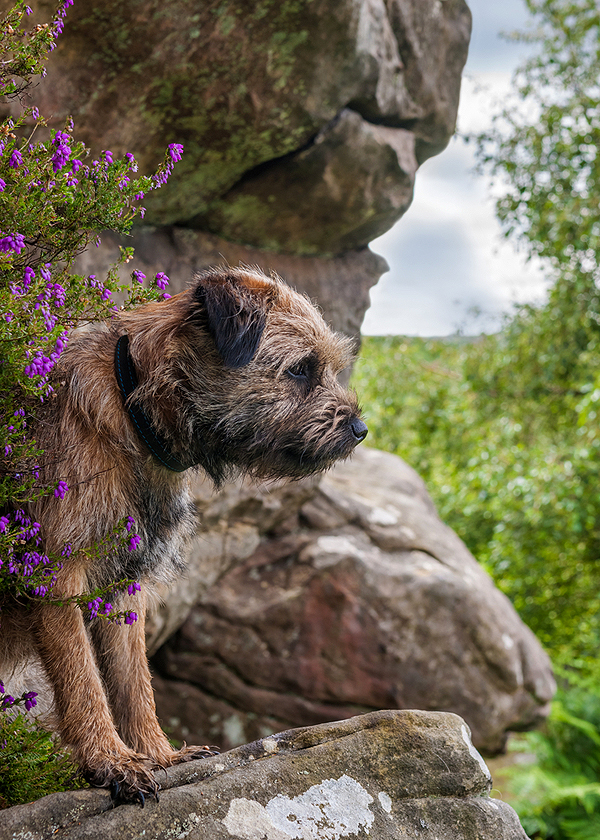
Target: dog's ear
(235,305)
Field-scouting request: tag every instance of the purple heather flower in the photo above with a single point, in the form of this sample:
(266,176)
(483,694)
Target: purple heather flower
(133,167)
(4,523)
(61,489)
(45,272)
(56,291)
(129,524)
(7,701)
(160,179)
(28,10)
(138,275)
(93,608)
(162,281)
(40,365)
(130,617)
(12,242)
(139,196)
(28,275)
(63,152)
(106,294)
(16,159)
(30,700)
(133,588)
(108,156)
(35,113)
(76,165)
(2,184)
(175,151)
(134,542)
(61,138)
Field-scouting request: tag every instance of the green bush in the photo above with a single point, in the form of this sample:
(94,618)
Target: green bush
(513,471)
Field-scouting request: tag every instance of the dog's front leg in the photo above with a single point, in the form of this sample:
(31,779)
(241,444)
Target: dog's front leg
(121,655)
(81,705)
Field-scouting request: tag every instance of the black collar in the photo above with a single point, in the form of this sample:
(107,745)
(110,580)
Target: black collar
(127,379)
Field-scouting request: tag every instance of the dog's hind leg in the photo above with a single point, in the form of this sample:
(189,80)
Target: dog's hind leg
(81,706)
(121,656)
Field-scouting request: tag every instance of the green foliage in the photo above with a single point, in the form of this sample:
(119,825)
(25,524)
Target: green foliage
(510,472)
(515,473)
(558,797)
(545,144)
(32,764)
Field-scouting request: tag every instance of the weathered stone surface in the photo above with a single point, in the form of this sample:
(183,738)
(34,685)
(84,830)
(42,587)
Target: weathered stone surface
(351,183)
(230,525)
(340,285)
(365,600)
(252,88)
(387,775)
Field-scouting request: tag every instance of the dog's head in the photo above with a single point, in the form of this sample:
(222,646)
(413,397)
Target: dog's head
(253,370)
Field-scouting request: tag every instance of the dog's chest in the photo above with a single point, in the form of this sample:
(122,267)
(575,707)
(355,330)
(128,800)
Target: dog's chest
(166,521)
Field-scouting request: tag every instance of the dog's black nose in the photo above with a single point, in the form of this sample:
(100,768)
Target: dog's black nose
(359,429)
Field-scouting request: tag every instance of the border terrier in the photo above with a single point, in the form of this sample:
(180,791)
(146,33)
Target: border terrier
(235,375)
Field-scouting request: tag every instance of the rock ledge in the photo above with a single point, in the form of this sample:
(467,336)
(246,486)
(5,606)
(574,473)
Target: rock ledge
(389,774)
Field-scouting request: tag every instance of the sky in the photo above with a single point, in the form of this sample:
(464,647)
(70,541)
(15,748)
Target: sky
(451,270)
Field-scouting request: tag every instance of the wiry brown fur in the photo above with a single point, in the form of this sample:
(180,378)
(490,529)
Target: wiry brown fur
(238,373)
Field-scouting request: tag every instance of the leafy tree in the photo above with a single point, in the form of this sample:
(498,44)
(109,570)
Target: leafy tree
(545,144)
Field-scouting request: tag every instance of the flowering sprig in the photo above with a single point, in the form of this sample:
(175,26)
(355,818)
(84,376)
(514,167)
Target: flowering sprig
(28,572)
(24,52)
(99,604)
(28,699)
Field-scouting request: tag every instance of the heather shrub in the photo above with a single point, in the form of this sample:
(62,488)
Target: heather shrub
(55,200)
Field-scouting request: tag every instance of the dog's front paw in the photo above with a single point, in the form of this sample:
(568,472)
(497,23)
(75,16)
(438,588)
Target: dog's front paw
(129,779)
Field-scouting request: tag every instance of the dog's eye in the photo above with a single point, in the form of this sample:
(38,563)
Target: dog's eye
(299,371)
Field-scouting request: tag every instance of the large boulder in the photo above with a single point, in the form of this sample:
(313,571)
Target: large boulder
(303,123)
(303,126)
(389,775)
(318,601)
